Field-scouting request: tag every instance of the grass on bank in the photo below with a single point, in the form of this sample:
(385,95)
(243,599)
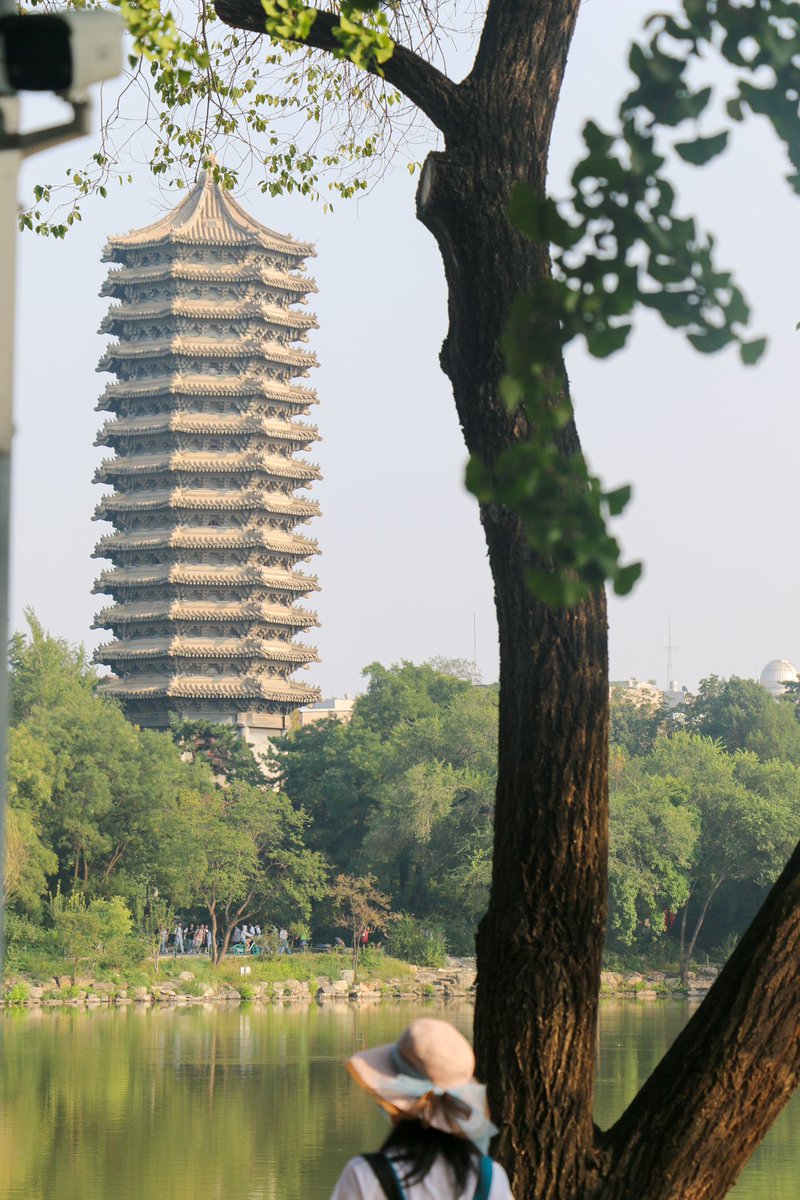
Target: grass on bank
(39,967)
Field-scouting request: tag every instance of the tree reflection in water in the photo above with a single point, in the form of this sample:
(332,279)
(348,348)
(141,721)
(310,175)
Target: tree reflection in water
(250,1103)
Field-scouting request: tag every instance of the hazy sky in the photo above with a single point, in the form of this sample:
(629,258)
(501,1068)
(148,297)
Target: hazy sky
(710,446)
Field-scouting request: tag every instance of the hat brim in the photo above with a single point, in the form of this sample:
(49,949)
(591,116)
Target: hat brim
(371,1069)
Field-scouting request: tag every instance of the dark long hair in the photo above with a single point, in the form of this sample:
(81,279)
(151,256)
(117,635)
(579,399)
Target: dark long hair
(415,1147)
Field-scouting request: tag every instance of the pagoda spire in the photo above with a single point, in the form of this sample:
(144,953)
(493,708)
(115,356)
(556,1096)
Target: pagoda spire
(206,456)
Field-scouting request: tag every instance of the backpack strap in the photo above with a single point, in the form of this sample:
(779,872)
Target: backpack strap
(484,1178)
(386,1175)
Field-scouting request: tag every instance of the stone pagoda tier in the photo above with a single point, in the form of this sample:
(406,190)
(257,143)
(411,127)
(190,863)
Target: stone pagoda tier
(205,438)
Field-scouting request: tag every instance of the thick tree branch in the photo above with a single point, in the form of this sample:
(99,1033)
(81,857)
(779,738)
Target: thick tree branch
(418,80)
(516,78)
(715,1093)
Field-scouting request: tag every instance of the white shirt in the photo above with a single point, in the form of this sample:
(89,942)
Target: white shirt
(359,1182)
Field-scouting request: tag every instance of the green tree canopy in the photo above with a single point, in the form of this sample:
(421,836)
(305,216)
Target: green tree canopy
(742,715)
(250,860)
(45,670)
(220,746)
(405,791)
(735,820)
(635,723)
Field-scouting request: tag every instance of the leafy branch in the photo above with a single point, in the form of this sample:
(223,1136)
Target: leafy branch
(618,244)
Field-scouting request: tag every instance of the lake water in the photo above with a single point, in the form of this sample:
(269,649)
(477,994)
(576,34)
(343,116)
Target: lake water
(253,1103)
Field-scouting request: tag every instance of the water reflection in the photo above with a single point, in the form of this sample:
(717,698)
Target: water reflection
(250,1103)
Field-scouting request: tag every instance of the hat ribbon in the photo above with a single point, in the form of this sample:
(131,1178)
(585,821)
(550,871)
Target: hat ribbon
(462,1107)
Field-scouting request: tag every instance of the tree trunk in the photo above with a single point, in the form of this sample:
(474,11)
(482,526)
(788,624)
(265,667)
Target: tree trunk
(540,943)
(701,1113)
(682,942)
(687,958)
(215,950)
(535,1038)
(708,1103)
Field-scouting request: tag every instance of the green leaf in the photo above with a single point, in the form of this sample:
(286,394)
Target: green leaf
(734,109)
(538,218)
(602,343)
(626,577)
(703,149)
(559,591)
(618,500)
(477,481)
(751,352)
(711,340)
(511,392)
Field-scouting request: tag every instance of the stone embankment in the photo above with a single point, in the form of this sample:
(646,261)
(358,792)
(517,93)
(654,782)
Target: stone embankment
(456,981)
(652,984)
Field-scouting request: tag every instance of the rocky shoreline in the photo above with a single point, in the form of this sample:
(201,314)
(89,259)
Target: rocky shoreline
(456,981)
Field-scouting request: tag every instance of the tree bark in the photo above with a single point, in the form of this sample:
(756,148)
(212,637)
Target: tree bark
(535,1036)
(704,1109)
(713,1096)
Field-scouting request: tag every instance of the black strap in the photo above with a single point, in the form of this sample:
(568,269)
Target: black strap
(392,1188)
(386,1175)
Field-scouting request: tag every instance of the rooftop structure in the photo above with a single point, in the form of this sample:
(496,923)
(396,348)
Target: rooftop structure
(645,693)
(776,675)
(205,434)
(340,708)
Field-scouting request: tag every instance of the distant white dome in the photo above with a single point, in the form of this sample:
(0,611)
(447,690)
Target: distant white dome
(777,674)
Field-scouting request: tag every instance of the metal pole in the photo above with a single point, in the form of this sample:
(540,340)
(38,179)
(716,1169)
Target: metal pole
(14,146)
(9,172)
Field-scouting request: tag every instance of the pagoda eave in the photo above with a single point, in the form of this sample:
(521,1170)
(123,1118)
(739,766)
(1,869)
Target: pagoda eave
(204,539)
(189,575)
(210,611)
(122,279)
(142,649)
(178,499)
(199,687)
(252,386)
(124,315)
(208,463)
(124,429)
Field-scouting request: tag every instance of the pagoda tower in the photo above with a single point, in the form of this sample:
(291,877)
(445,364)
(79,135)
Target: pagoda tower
(205,442)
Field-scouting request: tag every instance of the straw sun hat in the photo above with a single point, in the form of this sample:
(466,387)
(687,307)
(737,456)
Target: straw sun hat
(428,1075)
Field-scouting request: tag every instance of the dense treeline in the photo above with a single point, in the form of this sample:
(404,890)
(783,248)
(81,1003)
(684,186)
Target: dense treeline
(405,791)
(705,810)
(705,807)
(101,810)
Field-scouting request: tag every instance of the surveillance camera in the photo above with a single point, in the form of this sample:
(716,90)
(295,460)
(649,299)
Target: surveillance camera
(59,52)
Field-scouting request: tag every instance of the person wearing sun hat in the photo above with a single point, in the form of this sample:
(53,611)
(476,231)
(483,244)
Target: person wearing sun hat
(437,1149)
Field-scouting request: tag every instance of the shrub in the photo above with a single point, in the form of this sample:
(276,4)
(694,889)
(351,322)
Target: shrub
(417,941)
(16,993)
(91,931)
(193,987)
(246,991)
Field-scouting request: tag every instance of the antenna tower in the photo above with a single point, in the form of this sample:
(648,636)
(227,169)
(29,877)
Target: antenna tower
(670,646)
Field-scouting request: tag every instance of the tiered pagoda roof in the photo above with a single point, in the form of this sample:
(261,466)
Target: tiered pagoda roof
(205,438)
